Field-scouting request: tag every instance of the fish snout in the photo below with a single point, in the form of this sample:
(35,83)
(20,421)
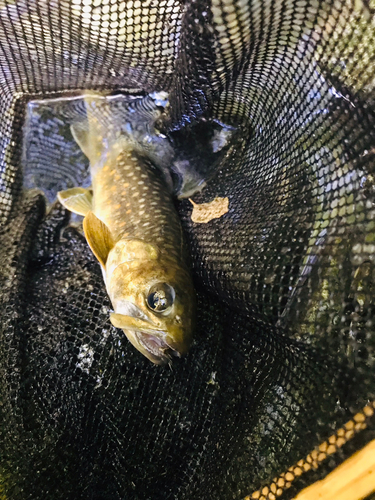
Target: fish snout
(158,344)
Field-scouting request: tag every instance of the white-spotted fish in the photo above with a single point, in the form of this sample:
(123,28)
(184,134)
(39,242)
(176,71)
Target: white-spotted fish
(135,233)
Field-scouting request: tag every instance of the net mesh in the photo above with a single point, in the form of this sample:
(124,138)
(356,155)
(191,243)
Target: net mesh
(284,350)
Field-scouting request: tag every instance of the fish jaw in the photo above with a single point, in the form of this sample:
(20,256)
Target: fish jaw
(154,343)
(152,347)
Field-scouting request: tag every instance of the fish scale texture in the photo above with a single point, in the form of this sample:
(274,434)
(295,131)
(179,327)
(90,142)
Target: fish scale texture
(284,349)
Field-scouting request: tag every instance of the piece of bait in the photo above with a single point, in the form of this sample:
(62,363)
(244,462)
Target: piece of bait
(135,233)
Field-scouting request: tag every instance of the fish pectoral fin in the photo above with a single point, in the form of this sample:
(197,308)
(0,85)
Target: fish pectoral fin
(77,200)
(98,236)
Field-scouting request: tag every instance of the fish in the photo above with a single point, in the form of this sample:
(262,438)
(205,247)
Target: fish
(134,231)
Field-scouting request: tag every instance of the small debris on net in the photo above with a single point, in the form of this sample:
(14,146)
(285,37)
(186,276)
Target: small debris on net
(205,212)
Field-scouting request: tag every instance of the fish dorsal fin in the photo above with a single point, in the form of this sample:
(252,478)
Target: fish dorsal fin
(98,236)
(77,200)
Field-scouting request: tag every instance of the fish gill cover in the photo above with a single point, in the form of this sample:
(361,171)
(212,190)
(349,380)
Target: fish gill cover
(284,345)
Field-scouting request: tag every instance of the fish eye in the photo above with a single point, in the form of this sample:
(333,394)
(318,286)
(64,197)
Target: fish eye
(160,297)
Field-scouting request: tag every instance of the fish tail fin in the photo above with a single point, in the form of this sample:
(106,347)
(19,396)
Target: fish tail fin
(99,137)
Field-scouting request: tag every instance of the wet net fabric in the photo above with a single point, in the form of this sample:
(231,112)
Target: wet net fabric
(284,350)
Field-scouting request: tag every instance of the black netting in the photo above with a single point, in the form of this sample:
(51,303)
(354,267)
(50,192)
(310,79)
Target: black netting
(284,349)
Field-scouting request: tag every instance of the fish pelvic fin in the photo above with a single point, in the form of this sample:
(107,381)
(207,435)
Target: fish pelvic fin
(77,200)
(98,237)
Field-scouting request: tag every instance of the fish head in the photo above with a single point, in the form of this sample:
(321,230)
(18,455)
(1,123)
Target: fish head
(154,304)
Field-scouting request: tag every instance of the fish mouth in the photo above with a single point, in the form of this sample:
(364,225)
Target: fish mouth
(160,352)
(146,337)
